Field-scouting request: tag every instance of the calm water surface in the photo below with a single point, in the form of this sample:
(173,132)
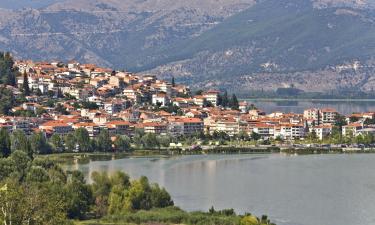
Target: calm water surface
(344,107)
(292,190)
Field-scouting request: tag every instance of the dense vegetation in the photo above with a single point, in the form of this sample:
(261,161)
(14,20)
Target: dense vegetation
(38,191)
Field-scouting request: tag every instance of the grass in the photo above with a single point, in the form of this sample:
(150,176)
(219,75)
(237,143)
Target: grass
(167,216)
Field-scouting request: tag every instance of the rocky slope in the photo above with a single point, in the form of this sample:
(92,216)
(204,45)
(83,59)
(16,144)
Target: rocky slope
(241,45)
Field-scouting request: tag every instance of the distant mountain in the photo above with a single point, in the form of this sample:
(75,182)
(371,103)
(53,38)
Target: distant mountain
(240,45)
(19,4)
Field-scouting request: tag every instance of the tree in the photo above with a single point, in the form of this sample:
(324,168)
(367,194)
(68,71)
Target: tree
(21,162)
(255,136)
(139,195)
(80,196)
(104,142)
(57,143)
(7,100)
(83,139)
(7,71)
(150,141)
(160,198)
(25,85)
(61,109)
(173,82)
(120,184)
(70,142)
(5,142)
(122,143)
(19,141)
(234,102)
(225,100)
(101,188)
(39,144)
(164,140)
(40,111)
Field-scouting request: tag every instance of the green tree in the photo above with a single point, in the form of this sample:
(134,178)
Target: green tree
(19,141)
(122,143)
(57,143)
(80,196)
(255,136)
(234,102)
(101,188)
(25,85)
(139,195)
(104,142)
(5,142)
(160,198)
(83,139)
(39,144)
(120,184)
(150,141)
(70,142)
(7,100)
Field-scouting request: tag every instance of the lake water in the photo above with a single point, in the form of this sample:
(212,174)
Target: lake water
(297,106)
(291,190)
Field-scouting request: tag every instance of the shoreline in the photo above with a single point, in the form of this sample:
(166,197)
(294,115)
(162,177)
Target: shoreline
(84,158)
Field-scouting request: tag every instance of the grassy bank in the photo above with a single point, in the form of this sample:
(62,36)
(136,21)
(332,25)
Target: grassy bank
(174,215)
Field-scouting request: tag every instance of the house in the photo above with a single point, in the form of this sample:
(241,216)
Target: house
(212,96)
(92,128)
(328,115)
(161,99)
(120,127)
(155,128)
(264,130)
(351,129)
(199,100)
(322,131)
(291,131)
(185,126)
(56,127)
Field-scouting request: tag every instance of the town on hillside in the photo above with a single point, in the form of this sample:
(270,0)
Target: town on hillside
(58,98)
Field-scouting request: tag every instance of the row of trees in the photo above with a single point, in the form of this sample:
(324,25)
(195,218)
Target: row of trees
(40,192)
(79,140)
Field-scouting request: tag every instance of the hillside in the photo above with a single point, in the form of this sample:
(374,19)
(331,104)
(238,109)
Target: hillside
(316,45)
(270,43)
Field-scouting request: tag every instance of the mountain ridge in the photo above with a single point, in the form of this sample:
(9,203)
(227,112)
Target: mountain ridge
(212,44)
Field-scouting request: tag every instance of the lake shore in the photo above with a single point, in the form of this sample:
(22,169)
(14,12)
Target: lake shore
(83,158)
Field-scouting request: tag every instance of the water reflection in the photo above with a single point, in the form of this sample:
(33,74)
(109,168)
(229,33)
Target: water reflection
(303,190)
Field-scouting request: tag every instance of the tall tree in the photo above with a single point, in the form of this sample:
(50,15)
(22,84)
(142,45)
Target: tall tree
(39,144)
(83,139)
(122,143)
(225,100)
(25,85)
(173,82)
(19,141)
(7,100)
(5,142)
(234,102)
(104,142)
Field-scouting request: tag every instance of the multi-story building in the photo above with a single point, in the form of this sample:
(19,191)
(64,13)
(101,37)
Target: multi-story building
(212,96)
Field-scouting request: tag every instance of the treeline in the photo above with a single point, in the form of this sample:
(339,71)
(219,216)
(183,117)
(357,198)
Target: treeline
(39,192)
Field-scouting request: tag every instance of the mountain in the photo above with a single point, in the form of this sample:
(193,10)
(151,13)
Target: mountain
(240,45)
(19,4)
(278,43)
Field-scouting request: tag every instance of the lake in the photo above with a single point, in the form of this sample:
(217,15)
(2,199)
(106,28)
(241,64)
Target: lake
(291,190)
(297,106)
